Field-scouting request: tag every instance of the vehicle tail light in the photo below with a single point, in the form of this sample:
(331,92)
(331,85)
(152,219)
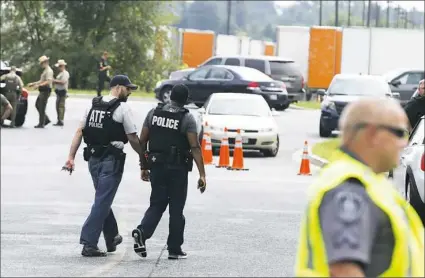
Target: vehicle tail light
(302,81)
(423,162)
(24,94)
(253,85)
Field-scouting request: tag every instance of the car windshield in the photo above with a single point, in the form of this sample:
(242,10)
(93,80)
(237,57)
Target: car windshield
(240,107)
(250,74)
(359,87)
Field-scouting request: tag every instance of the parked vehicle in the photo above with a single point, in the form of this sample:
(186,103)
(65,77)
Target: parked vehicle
(409,175)
(206,80)
(22,106)
(252,116)
(346,88)
(404,81)
(278,68)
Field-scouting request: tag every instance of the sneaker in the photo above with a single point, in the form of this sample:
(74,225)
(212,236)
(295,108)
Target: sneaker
(139,243)
(112,246)
(89,251)
(176,255)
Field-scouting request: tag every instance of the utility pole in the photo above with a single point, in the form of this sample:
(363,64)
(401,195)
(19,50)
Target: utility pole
(229,10)
(349,13)
(336,13)
(320,12)
(388,14)
(368,13)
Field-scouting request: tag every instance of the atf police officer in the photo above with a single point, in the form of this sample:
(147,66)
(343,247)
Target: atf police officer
(105,127)
(173,142)
(356,223)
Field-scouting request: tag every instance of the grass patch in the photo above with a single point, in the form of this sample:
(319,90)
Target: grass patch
(326,148)
(93,92)
(308,104)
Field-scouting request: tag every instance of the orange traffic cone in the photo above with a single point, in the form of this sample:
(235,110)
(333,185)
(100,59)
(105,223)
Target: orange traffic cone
(206,147)
(305,162)
(224,161)
(237,153)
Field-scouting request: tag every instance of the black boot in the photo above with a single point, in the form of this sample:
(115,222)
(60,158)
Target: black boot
(89,251)
(112,246)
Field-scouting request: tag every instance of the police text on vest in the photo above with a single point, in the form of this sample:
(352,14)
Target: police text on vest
(165,122)
(96,118)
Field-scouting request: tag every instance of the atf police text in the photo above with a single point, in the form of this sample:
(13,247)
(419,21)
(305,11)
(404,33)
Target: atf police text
(96,118)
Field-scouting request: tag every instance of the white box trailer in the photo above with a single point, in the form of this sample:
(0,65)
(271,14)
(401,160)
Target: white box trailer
(244,43)
(293,42)
(256,47)
(355,50)
(227,45)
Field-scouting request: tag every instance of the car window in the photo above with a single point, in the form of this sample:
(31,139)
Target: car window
(359,87)
(250,74)
(199,74)
(411,78)
(220,74)
(287,68)
(246,107)
(233,62)
(417,136)
(213,61)
(256,64)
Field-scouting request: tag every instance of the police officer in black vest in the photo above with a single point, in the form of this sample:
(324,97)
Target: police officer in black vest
(173,142)
(106,126)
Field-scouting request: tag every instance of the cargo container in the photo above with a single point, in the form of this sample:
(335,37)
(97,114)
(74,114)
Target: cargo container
(244,43)
(256,48)
(227,45)
(197,46)
(269,49)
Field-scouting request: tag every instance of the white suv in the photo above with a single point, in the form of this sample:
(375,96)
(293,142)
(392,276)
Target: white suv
(409,175)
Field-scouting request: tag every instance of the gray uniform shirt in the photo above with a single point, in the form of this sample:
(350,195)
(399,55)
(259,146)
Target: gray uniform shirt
(62,76)
(188,123)
(122,115)
(355,229)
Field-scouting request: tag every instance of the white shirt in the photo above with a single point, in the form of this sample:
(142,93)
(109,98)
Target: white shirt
(122,115)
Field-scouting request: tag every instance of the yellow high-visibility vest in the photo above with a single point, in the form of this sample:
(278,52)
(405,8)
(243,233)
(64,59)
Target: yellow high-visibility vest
(408,255)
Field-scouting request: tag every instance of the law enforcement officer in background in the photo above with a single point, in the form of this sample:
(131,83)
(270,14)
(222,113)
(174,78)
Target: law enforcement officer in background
(173,141)
(357,224)
(415,108)
(61,90)
(13,88)
(105,127)
(6,108)
(103,72)
(44,86)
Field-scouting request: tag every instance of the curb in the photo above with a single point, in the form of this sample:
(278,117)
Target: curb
(317,160)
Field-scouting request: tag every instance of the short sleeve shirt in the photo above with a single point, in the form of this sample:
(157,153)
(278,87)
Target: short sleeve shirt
(122,115)
(47,75)
(63,76)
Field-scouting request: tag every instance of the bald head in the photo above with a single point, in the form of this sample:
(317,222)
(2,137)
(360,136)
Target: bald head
(373,128)
(375,111)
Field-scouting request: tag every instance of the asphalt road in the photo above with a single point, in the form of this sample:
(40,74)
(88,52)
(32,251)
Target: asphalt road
(245,224)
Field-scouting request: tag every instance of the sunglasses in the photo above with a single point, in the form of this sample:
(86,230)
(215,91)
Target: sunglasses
(396,131)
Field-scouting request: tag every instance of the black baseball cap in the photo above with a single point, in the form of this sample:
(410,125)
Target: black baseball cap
(122,80)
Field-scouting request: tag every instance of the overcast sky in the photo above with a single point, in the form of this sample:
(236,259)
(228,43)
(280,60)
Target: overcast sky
(419,5)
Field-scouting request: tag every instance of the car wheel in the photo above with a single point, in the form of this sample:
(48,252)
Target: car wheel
(323,131)
(412,196)
(19,120)
(282,107)
(272,152)
(165,94)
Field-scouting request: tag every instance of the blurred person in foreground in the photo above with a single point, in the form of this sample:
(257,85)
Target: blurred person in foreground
(106,127)
(356,223)
(6,108)
(415,108)
(173,144)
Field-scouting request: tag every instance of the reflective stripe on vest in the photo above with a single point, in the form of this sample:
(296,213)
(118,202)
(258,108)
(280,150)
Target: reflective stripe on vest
(408,230)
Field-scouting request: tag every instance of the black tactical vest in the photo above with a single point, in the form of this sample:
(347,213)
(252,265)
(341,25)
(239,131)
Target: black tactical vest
(165,131)
(101,129)
(12,84)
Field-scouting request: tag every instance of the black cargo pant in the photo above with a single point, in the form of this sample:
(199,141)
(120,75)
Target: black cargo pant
(41,104)
(101,83)
(169,187)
